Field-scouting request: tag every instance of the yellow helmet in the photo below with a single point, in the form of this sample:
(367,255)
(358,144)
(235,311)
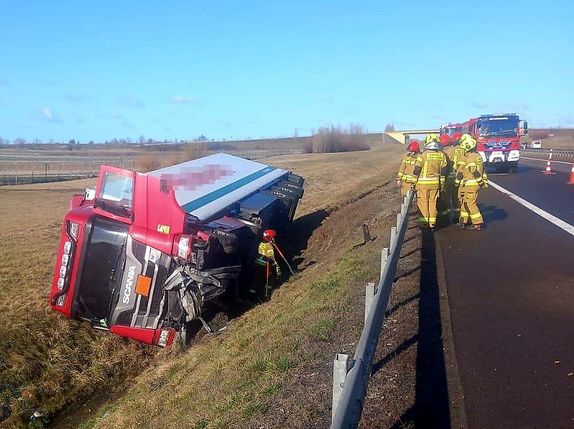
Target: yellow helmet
(431,138)
(467,142)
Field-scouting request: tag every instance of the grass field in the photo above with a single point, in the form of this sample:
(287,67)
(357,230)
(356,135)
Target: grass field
(555,138)
(51,364)
(35,163)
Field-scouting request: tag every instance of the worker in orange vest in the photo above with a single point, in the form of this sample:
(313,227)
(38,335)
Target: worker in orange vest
(405,178)
(430,170)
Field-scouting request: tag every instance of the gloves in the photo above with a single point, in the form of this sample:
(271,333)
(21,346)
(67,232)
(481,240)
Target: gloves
(399,182)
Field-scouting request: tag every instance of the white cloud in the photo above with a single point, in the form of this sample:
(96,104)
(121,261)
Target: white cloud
(131,102)
(47,113)
(182,99)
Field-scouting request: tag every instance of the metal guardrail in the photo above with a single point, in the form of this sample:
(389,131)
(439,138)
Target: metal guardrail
(350,379)
(555,152)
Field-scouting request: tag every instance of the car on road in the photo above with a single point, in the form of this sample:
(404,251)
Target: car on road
(536,144)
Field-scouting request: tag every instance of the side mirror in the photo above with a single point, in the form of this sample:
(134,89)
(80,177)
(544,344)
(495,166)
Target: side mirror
(522,128)
(89,194)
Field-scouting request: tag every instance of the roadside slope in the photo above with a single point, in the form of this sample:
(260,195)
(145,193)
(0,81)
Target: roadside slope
(48,363)
(271,367)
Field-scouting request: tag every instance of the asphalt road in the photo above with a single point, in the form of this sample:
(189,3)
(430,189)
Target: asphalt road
(511,296)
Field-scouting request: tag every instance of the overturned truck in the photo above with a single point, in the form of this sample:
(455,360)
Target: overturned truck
(142,254)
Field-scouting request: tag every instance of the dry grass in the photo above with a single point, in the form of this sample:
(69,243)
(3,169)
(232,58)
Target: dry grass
(556,138)
(332,178)
(47,362)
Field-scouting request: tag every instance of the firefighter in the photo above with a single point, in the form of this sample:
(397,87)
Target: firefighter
(267,269)
(455,154)
(430,170)
(443,206)
(471,177)
(405,178)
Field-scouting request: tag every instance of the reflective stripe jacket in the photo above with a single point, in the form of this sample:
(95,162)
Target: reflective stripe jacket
(455,155)
(407,167)
(471,170)
(431,168)
(266,249)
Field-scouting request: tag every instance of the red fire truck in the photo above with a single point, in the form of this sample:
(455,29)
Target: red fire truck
(498,138)
(142,254)
(450,133)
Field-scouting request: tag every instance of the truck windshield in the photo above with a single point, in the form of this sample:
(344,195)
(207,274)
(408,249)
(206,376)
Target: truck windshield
(452,131)
(102,269)
(116,195)
(499,127)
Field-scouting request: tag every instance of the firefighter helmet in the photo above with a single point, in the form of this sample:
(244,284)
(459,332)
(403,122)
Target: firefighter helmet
(431,138)
(433,145)
(467,142)
(444,140)
(414,146)
(269,235)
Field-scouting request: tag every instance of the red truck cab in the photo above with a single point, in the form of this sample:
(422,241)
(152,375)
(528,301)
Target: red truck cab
(498,139)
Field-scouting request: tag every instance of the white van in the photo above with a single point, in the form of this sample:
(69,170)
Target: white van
(536,144)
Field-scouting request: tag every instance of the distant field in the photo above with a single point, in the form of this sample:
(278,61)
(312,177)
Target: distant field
(35,163)
(555,138)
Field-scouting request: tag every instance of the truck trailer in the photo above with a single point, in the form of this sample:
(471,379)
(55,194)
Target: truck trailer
(143,253)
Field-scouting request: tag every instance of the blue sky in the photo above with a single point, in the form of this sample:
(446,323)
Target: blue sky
(177,69)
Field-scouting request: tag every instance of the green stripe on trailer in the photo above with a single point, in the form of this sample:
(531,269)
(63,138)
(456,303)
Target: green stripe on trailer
(212,196)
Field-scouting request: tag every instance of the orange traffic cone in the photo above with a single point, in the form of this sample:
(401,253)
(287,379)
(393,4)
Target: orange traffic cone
(571,181)
(548,169)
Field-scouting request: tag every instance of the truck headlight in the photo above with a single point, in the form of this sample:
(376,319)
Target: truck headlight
(67,247)
(163,337)
(65,260)
(73,229)
(61,300)
(61,283)
(63,271)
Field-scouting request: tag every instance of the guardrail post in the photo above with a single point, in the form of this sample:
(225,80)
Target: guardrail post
(384,257)
(369,298)
(393,237)
(340,369)
(366,234)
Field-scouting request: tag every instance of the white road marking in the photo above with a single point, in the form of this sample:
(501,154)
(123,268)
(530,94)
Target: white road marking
(545,160)
(550,218)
